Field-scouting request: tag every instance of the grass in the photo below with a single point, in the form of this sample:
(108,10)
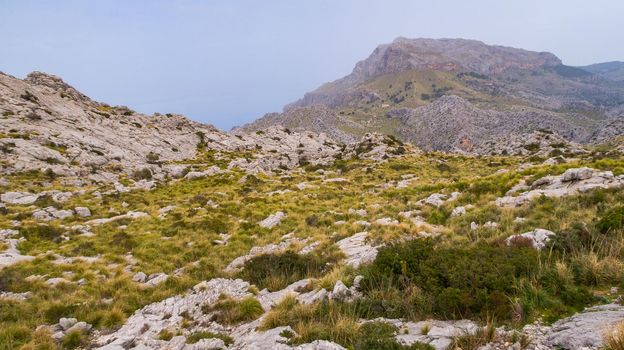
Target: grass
(614,338)
(195,337)
(584,257)
(230,312)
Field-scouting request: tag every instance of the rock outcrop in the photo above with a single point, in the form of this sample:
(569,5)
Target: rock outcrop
(571,182)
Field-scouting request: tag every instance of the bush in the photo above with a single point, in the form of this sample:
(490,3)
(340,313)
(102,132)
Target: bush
(611,220)
(152,157)
(276,271)
(142,174)
(55,311)
(42,232)
(460,281)
(74,339)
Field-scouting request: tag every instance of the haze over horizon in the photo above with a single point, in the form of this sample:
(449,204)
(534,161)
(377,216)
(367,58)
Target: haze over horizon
(228,63)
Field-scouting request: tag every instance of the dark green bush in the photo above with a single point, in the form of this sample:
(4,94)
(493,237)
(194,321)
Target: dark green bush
(55,311)
(142,174)
(611,220)
(280,270)
(42,232)
(460,281)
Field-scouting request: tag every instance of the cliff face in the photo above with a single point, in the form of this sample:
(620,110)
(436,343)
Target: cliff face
(451,91)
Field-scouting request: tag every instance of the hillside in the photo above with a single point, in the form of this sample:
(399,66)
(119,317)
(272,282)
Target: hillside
(125,231)
(500,90)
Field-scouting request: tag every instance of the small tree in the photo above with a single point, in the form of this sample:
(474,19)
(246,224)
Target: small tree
(153,157)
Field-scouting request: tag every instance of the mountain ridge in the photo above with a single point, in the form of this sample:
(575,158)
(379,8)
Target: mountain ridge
(414,73)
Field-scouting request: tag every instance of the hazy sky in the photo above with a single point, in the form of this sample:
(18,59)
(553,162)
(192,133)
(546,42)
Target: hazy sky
(230,61)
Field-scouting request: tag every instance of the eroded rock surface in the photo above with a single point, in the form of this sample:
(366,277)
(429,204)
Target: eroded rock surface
(571,182)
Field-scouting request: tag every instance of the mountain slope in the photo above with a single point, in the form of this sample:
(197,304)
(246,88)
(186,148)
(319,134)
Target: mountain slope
(47,124)
(608,70)
(502,90)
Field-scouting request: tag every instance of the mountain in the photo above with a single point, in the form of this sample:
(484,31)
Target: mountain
(47,124)
(120,230)
(446,94)
(608,70)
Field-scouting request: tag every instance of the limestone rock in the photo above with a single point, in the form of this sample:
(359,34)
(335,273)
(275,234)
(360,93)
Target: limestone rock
(586,329)
(573,181)
(272,220)
(82,212)
(21,198)
(537,238)
(356,249)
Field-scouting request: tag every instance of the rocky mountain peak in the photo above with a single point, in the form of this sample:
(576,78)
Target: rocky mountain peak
(55,83)
(450,55)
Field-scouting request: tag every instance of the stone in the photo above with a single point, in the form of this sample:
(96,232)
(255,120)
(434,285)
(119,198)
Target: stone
(142,327)
(571,182)
(20,198)
(360,212)
(320,345)
(155,279)
(162,212)
(82,212)
(139,277)
(340,291)
(15,296)
(56,281)
(267,249)
(51,213)
(313,296)
(577,174)
(67,323)
(490,224)
(272,220)
(80,326)
(386,222)
(458,211)
(586,329)
(206,344)
(128,215)
(213,170)
(356,250)
(537,238)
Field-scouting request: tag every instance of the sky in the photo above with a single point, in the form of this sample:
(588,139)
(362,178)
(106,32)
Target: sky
(228,62)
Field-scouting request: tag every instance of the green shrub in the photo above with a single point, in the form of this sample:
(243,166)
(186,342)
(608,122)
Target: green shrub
(142,174)
(42,232)
(74,339)
(276,271)
(611,220)
(460,281)
(165,334)
(57,310)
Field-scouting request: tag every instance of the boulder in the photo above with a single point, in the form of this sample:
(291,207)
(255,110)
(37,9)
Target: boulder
(82,211)
(536,238)
(272,220)
(586,329)
(356,250)
(139,277)
(67,323)
(577,174)
(21,198)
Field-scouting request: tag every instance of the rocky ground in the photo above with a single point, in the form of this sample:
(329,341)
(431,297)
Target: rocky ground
(289,240)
